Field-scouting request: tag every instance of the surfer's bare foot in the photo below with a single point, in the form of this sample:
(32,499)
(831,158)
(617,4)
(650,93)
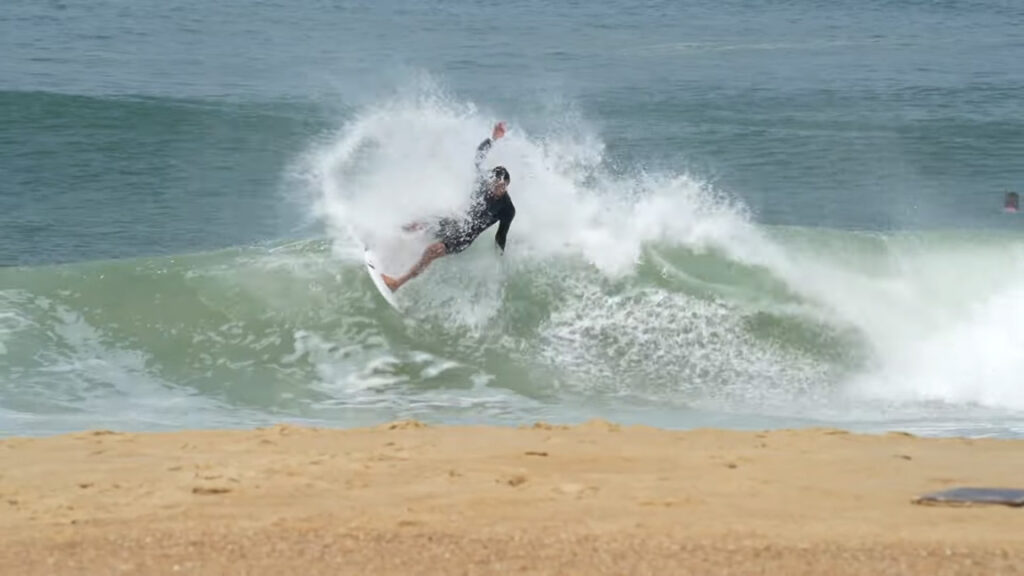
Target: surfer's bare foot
(392,283)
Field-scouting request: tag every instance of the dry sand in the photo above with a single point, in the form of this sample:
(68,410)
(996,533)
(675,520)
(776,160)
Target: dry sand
(593,499)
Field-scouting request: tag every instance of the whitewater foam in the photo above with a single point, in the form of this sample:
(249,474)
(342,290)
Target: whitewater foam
(941,318)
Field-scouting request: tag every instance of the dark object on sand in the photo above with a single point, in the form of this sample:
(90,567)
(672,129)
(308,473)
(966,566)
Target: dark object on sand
(974,497)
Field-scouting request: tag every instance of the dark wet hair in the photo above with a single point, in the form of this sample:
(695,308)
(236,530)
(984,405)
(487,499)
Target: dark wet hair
(500,173)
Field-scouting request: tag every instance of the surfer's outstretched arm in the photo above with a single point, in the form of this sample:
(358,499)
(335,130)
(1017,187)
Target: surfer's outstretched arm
(481,151)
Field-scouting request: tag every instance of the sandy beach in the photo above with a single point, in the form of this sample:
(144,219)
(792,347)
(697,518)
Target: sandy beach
(406,498)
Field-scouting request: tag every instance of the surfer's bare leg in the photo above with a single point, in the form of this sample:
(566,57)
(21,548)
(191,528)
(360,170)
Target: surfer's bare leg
(433,252)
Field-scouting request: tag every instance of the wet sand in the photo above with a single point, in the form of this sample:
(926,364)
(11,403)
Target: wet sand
(593,499)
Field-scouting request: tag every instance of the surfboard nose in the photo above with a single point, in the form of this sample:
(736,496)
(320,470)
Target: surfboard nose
(378,279)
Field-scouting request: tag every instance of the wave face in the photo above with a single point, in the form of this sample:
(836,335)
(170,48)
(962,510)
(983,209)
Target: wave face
(644,296)
(877,330)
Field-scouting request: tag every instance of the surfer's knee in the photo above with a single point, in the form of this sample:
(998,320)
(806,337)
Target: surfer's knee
(436,250)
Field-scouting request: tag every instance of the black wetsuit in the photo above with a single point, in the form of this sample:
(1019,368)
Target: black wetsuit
(458,234)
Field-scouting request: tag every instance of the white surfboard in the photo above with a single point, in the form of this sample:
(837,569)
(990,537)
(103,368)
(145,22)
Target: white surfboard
(371,268)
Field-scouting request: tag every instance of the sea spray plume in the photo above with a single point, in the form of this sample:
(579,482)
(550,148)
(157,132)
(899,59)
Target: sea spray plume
(405,160)
(393,164)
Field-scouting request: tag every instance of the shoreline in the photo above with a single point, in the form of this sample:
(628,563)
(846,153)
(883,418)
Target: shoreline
(406,498)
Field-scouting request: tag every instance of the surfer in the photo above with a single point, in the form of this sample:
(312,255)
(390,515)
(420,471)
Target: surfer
(491,203)
(1012,202)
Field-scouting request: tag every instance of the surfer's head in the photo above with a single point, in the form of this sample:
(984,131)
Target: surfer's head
(1012,202)
(499,180)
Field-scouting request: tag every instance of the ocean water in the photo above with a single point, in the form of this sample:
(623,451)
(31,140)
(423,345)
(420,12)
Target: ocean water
(736,214)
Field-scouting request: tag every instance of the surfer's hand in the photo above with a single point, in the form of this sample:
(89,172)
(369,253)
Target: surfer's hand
(499,131)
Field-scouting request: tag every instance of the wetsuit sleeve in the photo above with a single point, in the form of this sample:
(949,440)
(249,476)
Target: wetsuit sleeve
(481,152)
(506,221)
